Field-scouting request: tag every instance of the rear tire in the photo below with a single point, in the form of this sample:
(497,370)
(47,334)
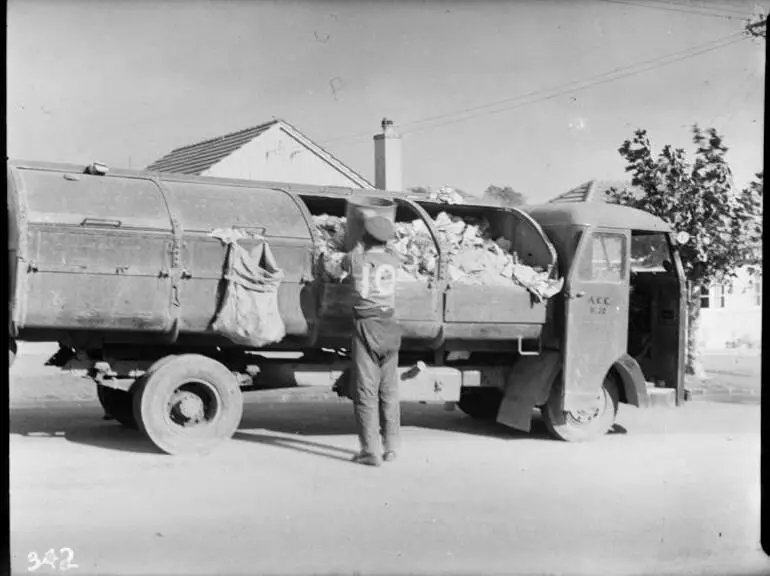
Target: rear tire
(188,404)
(584,426)
(481,403)
(118,404)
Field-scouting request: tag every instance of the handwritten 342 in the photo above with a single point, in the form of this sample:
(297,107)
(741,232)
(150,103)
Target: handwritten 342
(50,559)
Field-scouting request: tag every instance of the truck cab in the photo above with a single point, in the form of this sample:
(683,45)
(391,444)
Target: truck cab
(619,326)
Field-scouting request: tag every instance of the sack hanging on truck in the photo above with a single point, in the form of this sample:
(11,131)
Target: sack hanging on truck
(248,313)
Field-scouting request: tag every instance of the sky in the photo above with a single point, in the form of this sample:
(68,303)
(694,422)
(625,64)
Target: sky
(537,95)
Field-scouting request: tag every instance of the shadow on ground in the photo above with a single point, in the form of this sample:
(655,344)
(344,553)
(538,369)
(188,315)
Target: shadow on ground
(285,423)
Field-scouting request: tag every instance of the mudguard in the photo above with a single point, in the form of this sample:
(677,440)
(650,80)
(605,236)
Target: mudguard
(634,387)
(529,382)
(528,385)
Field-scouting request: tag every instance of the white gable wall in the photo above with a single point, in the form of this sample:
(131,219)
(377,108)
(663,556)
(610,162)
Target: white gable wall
(275,155)
(734,315)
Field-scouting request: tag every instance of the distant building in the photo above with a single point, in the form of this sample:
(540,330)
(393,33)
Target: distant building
(592,191)
(731,312)
(274,151)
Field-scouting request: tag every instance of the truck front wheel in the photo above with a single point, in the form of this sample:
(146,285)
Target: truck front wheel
(188,404)
(586,424)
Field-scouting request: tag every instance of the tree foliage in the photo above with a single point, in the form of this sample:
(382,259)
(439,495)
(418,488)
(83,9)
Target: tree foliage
(697,197)
(504,196)
(725,226)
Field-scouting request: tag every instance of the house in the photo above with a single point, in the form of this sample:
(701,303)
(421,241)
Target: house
(274,151)
(593,190)
(731,312)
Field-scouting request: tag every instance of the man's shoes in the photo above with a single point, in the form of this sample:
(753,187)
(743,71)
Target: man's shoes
(366,459)
(389,456)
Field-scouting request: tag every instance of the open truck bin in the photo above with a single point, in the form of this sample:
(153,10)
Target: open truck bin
(502,309)
(418,300)
(438,301)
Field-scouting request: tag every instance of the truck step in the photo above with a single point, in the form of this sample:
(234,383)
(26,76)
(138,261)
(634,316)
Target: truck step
(661,397)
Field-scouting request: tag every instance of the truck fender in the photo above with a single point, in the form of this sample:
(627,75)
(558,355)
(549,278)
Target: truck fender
(528,385)
(632,385)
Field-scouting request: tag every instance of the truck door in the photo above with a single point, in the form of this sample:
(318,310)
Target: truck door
(596,313)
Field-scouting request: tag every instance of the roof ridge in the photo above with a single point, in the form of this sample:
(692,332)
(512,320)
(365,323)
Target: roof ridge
(325,152)
(228,135)
(192,158)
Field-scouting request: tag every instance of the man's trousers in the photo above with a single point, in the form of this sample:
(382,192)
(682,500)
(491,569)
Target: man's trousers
(375,383)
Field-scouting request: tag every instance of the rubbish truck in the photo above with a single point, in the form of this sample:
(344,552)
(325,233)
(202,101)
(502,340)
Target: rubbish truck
(124,269)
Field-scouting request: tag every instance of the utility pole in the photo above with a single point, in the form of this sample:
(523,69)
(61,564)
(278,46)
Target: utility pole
(757,29)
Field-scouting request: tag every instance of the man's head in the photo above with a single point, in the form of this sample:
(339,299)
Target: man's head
(377,231)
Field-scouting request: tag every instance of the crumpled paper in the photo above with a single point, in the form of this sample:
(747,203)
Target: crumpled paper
(332,231)
(446,195)
(540,284)
(475,257)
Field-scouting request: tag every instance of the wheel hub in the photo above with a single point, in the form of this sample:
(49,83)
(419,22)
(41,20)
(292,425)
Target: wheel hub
(187,408)
(584,415)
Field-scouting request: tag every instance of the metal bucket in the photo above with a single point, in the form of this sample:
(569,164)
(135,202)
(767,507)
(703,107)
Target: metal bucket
(360,208)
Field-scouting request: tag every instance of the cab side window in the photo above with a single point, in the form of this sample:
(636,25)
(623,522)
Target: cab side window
(603,258)
(650,253)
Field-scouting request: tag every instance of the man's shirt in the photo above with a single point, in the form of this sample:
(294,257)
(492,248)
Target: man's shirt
(374,274)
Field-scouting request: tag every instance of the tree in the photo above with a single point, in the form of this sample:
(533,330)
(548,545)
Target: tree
(504,196)
(724,227)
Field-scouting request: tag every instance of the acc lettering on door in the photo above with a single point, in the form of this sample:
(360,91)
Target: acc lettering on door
(600,300)
(382,278)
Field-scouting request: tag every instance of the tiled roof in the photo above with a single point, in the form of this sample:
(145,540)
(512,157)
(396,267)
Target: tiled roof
(199,157)
(591,191)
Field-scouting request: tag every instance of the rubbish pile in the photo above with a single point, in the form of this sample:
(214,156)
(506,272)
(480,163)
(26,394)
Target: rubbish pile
(474,256)
(447,195)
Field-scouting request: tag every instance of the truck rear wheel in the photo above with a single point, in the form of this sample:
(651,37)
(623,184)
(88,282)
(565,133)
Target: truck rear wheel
(586,424)
(480,403)
(118,404)
(188,404)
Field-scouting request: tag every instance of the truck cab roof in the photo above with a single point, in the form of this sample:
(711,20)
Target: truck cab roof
(597,214)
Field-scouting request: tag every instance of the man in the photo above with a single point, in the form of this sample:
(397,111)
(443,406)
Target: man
(376,341)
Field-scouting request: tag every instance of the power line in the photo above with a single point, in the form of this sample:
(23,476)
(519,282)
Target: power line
(710,5)
(589,84)
(737,91)
(678,8)
(757,29)
(575,85)
(657,59)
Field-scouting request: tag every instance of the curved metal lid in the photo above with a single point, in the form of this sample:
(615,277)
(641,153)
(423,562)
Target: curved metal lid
(597,214)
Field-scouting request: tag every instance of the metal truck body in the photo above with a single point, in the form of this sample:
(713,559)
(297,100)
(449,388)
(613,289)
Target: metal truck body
(120,268)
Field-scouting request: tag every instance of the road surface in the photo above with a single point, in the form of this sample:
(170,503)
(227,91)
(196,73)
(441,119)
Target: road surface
(673,490)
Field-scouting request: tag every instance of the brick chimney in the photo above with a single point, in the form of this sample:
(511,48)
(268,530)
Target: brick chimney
(387,158)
